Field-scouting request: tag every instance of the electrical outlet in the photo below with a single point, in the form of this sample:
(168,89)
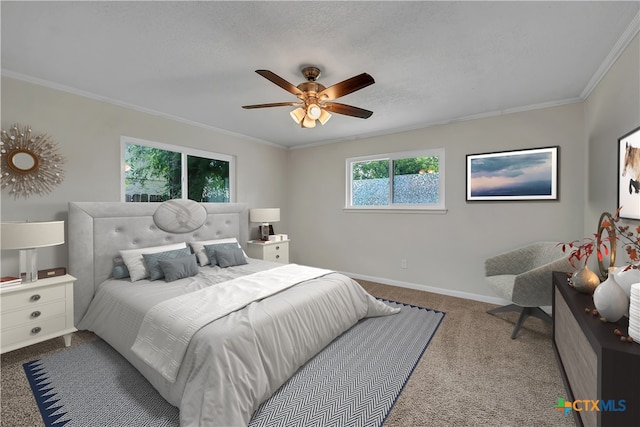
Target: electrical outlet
(403,263)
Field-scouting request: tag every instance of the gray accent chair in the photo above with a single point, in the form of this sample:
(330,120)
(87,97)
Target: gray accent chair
(523,276)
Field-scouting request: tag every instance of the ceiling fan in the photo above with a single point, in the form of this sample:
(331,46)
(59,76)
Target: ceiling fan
(314,100)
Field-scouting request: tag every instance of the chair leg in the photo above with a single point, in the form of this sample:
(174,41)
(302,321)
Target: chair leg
(541,314)
(523,316)
(510,307)
(524,313)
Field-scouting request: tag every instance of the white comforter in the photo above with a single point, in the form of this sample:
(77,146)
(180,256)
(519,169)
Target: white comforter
(169,326)
(235,363)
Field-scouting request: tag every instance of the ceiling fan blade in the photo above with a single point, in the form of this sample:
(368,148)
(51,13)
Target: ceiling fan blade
(274,78)
(346,87)
(275,104)
(347,110)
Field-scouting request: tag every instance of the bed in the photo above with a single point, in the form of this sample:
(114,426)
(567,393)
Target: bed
(218,339)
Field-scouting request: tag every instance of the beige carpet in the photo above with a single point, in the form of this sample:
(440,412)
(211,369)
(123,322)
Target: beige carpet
(471,374)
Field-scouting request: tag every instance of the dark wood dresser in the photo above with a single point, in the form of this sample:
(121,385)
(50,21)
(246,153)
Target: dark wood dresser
(594,362)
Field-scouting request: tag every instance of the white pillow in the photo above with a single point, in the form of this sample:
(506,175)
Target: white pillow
(134,260)
(198,248)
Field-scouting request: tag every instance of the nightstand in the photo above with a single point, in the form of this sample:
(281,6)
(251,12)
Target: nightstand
(37,311)
(269,251)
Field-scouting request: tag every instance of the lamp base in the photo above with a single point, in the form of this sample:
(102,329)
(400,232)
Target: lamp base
(265,231)
(28,267)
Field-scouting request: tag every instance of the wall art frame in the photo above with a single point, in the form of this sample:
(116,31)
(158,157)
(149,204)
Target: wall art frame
(629,174)
(528,174)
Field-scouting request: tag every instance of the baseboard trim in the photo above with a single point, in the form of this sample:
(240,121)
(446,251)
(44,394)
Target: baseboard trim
(433,289)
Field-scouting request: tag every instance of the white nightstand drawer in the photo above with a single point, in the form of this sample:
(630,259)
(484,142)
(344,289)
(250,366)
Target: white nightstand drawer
(277,252)
(34,314)
(269,251)
(30,297)
(36,311)
(33,331)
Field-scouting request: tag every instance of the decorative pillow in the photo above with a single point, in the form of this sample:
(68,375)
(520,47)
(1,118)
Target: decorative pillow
(228,257)
(134,260)
(210,250)
(179,268)
(151,261)
(120,270)
(198,248)
(180,216)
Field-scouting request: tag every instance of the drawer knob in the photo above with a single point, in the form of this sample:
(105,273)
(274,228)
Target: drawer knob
(35,314)
(35,297)
(277,248)
(36,330)
(277,256)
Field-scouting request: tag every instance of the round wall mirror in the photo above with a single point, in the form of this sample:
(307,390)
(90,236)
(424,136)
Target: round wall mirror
(22,161)
(30,164)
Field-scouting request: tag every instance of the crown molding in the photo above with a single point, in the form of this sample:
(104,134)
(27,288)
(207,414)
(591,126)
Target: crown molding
(617,50)
(56,86)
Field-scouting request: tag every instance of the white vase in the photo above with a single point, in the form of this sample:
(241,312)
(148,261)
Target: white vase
(626,278)
(610,300)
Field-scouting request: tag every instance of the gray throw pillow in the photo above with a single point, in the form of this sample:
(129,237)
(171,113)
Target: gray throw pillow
(228,257)
(120,270)
(179,268)
(152,261)
(210,250)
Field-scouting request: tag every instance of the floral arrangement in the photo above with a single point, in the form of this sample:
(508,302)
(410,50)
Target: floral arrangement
(583,249)
(631,240)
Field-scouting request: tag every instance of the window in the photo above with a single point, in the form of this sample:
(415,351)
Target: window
(410,180)
(154,172)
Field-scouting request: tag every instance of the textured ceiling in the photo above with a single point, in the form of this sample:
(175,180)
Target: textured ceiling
(433,62)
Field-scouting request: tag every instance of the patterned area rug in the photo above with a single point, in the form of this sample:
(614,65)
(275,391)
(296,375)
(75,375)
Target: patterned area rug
(92,385)
(354,381)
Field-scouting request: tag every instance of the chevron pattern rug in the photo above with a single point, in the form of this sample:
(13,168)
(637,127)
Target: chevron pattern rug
(92,385)
(357,378)
(353,382)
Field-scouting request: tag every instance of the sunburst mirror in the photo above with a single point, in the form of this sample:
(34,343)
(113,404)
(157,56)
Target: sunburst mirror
(30,163)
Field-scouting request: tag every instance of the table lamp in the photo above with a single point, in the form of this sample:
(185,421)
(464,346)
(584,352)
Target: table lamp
(265,216)
(28,236)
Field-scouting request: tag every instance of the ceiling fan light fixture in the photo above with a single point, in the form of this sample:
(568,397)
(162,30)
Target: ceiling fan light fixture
(314,111)
(324,117)
(314,99)
(308,122)
(298,114)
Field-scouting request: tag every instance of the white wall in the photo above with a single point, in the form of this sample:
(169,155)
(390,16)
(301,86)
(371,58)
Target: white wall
(88,135)
(444,251)
(611,111)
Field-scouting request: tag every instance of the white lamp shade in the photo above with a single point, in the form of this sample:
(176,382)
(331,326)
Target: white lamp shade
(297,115)
(265,215)
(324,117)
(308,122)
(27,235)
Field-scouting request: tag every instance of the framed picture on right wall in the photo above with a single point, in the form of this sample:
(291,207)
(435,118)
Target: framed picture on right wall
(629,174)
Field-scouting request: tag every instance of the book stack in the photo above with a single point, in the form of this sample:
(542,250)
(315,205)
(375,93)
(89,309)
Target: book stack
(7,281)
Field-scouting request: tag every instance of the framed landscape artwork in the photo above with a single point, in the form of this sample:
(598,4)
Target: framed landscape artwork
(629,174)
(530,174)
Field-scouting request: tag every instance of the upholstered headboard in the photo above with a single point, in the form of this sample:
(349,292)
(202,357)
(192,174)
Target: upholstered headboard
(97,231)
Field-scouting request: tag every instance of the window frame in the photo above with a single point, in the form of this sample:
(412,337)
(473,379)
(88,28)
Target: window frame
(184,152)
(439,207)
